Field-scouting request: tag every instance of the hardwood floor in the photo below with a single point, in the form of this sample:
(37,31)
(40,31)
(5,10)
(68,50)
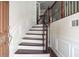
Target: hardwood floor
(52,53)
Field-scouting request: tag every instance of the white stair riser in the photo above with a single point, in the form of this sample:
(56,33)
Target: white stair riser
(33,41)
(37,32)
(34,36)
(31,47)
(32,55)
(36,28)
(39,25)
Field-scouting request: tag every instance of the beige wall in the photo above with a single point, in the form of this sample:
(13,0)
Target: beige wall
(64,39)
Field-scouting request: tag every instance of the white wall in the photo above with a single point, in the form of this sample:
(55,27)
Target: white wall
(64,39)
(22,16)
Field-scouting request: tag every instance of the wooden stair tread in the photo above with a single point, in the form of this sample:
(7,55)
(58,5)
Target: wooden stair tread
(30,38)
(34,34)
(23,51)
(36,30)
(37,27)
(30,44)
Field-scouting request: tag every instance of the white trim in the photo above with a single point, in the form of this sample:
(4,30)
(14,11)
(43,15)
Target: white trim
(57,53)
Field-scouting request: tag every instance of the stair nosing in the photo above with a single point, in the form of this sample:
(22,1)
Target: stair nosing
(34,34)
(35,30)
(30,44)
(32,38)
(30,51)
(37,27)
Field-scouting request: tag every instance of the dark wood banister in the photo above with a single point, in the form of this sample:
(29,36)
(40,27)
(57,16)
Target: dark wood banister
(53,4)
(46,11)
(45,38)
(45,28)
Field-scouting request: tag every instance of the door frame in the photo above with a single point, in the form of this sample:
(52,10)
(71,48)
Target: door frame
(4,30)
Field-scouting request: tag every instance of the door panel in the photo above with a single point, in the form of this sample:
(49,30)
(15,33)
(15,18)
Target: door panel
(4,23)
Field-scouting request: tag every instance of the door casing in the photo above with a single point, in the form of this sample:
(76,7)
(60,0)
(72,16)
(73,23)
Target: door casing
(4,30)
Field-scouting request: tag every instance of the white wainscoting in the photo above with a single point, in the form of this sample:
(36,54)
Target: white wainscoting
(64,38)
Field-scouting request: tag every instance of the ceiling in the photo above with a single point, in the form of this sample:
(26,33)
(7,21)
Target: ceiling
(45,4)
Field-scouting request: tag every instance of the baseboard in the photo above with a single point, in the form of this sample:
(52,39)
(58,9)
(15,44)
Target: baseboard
(52,53)
(57,53)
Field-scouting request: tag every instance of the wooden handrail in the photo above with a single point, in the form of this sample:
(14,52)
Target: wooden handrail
(45,28)
(53,4)
(46,11)
(50,7)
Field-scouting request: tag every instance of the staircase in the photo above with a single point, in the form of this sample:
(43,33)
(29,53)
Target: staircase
(32,43)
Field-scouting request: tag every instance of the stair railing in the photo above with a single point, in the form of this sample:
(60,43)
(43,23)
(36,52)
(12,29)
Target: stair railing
(45,35)
(45,21)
